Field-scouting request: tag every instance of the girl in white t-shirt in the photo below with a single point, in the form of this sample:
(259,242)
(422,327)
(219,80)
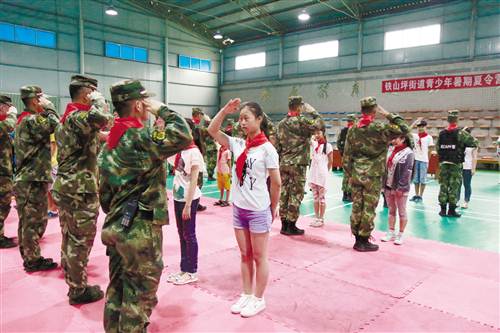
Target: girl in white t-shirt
(254,205)
(321,165)
(187,165)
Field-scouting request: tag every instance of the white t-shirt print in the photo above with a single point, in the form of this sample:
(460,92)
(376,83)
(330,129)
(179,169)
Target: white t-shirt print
(253,194)
(182,179)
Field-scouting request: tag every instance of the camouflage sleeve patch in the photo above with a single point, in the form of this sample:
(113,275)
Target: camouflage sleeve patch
(83,115)
(158,136)
(41,120)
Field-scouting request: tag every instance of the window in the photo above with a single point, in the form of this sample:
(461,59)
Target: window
(250,61)
(194,63)
(27,35)
(126,52)
(427,35)
(319,50)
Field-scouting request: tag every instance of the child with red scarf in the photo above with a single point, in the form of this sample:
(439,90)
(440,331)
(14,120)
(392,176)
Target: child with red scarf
(321,165)
(223,175)
(423,141)
(397,179)
(254,205)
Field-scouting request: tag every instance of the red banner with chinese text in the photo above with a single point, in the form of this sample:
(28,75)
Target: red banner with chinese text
(442,82)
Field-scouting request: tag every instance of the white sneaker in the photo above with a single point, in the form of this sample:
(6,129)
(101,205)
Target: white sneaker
(186,278)
(465,205)
(316,223)
(389,236)
(399,239)
(253,307)
(173,276)
(241,303)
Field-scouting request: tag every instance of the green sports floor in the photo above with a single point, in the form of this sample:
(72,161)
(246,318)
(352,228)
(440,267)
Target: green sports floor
(477,228)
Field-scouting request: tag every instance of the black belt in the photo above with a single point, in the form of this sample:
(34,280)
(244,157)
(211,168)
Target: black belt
(145,214)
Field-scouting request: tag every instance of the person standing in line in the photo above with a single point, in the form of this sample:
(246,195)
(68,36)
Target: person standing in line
(364,162)
(321,166)
(397,186)
(346,191)
(423,141)
(7,122)
(255,206)
(451,145)
(224,158)
(469,169)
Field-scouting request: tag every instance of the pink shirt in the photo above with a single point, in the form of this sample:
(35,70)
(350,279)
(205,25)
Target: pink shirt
(223,162)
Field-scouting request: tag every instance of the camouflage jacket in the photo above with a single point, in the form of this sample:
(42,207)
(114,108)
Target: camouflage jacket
(7,126)
(32,146)
(136,167)
(366,147)
(464,140)
(293,138)
(341,139)
(77,147)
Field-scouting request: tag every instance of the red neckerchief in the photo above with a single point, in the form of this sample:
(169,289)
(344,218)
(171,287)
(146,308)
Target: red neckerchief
(3,117)
(72,107)
(451,127)
(21,117)
(293,113)
(178,155)
(320,142)
(396,150)
(365,120)
(240,162)
(119,128)
(349,124)
(196,121)
(420,137)
(222,149)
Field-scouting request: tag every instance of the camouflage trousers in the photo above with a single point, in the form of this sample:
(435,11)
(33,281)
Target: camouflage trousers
(5,199)
(78,217)
(345,184)
(31,200)
(211,161)
(135,267)
(293,180)
(450,181)
(365,193)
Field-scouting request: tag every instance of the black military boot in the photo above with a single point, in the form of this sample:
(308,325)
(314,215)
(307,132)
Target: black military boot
(442,212)
(349,197)
(344,196)
(285,227)
(294,231)
(6,242)
(363,245)
(86,295)
(452,211)
(41,264)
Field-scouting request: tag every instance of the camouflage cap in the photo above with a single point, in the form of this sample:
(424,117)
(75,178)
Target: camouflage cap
(421,123)
(453,114)
(196,111)
(295,100)
(368,102)
(127,90)
(4,99)
(351,117)
(30,91)
(84,81)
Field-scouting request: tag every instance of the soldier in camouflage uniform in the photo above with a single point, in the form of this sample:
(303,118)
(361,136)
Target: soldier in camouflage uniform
(451,145)
(7,123)
(75,188)
(32,149)
(347,197)
(364,164)
(132,191)
(293,141)
(210,149)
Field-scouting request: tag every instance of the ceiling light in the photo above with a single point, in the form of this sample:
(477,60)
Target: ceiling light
(228,41)
(111,11)
(303,16)
(218,35)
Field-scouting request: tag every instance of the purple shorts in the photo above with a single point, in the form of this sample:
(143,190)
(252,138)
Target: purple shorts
(256,222)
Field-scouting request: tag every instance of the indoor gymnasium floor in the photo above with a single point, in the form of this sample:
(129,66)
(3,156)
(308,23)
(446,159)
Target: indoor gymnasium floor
(444,278)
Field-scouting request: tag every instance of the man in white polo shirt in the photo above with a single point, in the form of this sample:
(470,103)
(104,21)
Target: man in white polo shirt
(423,141)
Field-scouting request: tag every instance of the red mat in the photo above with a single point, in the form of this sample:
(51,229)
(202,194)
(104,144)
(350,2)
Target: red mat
(317,283)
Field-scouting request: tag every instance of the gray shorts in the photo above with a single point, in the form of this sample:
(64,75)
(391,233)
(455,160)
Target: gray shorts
(257,222)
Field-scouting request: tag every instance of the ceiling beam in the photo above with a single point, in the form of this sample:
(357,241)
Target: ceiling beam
(261,15)
(237,10)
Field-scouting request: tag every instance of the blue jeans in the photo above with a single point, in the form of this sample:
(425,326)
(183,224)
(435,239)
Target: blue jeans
(467,177)
(187,236)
